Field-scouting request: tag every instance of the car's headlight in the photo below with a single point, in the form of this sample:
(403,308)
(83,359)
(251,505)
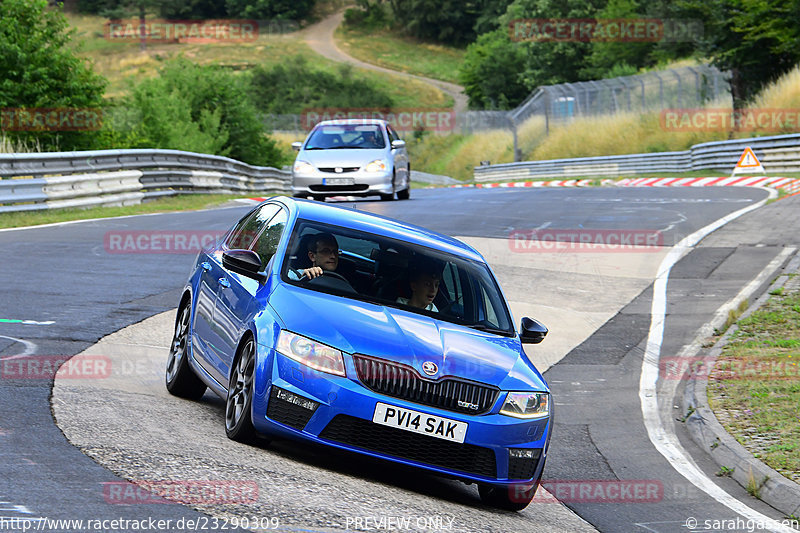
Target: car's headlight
(303,167)
(375,166)
(526,405)
(311,353)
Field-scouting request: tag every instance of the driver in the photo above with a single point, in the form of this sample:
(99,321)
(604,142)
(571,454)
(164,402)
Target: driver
(323,252)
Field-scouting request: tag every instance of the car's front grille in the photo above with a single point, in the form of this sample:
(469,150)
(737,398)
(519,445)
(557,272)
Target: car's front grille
(401,381)
(365,434)
(342,170)
(336,188)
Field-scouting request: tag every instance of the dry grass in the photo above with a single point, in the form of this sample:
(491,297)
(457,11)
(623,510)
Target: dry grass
(11,146)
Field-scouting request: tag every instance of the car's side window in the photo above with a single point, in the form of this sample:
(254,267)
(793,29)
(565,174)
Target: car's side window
(244,234)
(267,242)
(392,134)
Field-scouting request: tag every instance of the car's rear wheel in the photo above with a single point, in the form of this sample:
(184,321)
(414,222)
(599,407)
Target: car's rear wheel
(238,424)
(180,379)
(509,497)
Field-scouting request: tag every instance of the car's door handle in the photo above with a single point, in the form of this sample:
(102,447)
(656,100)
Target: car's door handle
(224,282)
(206,265)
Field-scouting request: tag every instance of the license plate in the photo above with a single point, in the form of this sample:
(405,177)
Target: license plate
(425,424)
(338,181)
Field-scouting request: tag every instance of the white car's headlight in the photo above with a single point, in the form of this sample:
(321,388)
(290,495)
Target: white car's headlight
(302,167)
(526,405)
(311,353)
(375,166)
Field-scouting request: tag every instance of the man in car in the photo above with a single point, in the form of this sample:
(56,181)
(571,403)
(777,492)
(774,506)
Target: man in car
(323,251)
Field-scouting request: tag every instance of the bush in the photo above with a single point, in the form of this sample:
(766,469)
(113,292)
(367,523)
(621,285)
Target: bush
(295,86)
(199,109)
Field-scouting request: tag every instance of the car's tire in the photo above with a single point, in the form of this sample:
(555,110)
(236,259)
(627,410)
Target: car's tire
(238,423)
(180,379)
(389,197)
(405,194)
(508,497)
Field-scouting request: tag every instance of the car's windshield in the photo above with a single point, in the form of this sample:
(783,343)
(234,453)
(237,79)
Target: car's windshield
(346,136)
(393,273)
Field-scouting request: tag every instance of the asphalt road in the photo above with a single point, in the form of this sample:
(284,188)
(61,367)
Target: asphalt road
(64,274)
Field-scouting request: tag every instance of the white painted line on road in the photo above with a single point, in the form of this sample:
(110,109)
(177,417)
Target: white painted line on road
(26,322)
(664,440)
(30,347)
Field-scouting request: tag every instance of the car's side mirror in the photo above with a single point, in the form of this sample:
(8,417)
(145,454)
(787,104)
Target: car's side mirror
(398,144)
(532,331)
(244,262)
(297,145)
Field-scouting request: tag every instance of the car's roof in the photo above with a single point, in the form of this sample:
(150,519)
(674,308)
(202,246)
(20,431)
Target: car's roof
(380,225)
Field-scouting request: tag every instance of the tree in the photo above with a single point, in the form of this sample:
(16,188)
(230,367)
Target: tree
(41,70)
(270,9)
(491,72)
(757,40)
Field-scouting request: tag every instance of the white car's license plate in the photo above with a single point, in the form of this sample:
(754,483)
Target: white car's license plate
(338,181)
(425,424)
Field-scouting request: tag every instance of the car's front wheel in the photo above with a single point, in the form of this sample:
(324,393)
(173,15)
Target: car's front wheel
(238,424)
(180,379)
(514,497)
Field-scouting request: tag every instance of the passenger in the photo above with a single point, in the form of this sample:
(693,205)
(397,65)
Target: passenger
(424,283)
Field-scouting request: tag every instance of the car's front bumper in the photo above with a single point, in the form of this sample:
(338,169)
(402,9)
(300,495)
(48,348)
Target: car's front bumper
(343,418)
(364,183)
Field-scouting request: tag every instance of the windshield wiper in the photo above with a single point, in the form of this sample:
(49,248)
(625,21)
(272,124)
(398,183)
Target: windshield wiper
(489,329)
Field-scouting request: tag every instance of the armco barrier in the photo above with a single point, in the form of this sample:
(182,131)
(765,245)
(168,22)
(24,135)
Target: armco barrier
(779,153)
(123,177)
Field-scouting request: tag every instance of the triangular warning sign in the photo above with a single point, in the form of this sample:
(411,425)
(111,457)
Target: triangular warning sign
(748,163)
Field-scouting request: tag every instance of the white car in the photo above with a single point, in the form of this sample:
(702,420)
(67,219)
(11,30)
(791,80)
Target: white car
(352,157)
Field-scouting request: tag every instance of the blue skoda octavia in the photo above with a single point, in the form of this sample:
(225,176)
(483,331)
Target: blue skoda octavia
(353,330)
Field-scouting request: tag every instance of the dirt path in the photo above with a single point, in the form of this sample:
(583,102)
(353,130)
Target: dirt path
(320,38)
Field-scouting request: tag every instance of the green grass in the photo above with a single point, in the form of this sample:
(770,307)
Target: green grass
(398,52)
(185,202)
(755,387)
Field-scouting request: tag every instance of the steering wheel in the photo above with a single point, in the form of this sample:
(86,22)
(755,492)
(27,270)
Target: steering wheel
(335,275)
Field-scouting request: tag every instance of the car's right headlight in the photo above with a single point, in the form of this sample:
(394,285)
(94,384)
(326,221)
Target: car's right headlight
(529,405)
(303,167)
(313,354)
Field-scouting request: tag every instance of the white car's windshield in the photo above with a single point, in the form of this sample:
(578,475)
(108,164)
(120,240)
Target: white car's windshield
(346,136)
(388,272)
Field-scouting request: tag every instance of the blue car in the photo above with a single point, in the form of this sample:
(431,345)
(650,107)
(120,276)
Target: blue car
(352,330)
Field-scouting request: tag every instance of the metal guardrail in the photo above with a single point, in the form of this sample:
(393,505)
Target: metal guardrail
(123,177)
(780,153)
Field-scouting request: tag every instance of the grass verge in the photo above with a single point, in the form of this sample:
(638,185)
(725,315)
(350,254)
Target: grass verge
(397,52)
(184,202)
(754,389)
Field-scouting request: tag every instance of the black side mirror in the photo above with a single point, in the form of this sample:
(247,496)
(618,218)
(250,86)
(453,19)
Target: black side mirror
(532,331)
(244,262)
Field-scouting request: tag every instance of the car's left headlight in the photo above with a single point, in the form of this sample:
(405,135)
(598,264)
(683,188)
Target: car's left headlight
(313,354)
(527,405)
(375,166)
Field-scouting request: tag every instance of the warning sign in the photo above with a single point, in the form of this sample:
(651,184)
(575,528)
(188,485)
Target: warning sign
(748,163)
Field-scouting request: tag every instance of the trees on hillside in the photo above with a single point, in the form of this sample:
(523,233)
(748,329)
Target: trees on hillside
(40,69)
